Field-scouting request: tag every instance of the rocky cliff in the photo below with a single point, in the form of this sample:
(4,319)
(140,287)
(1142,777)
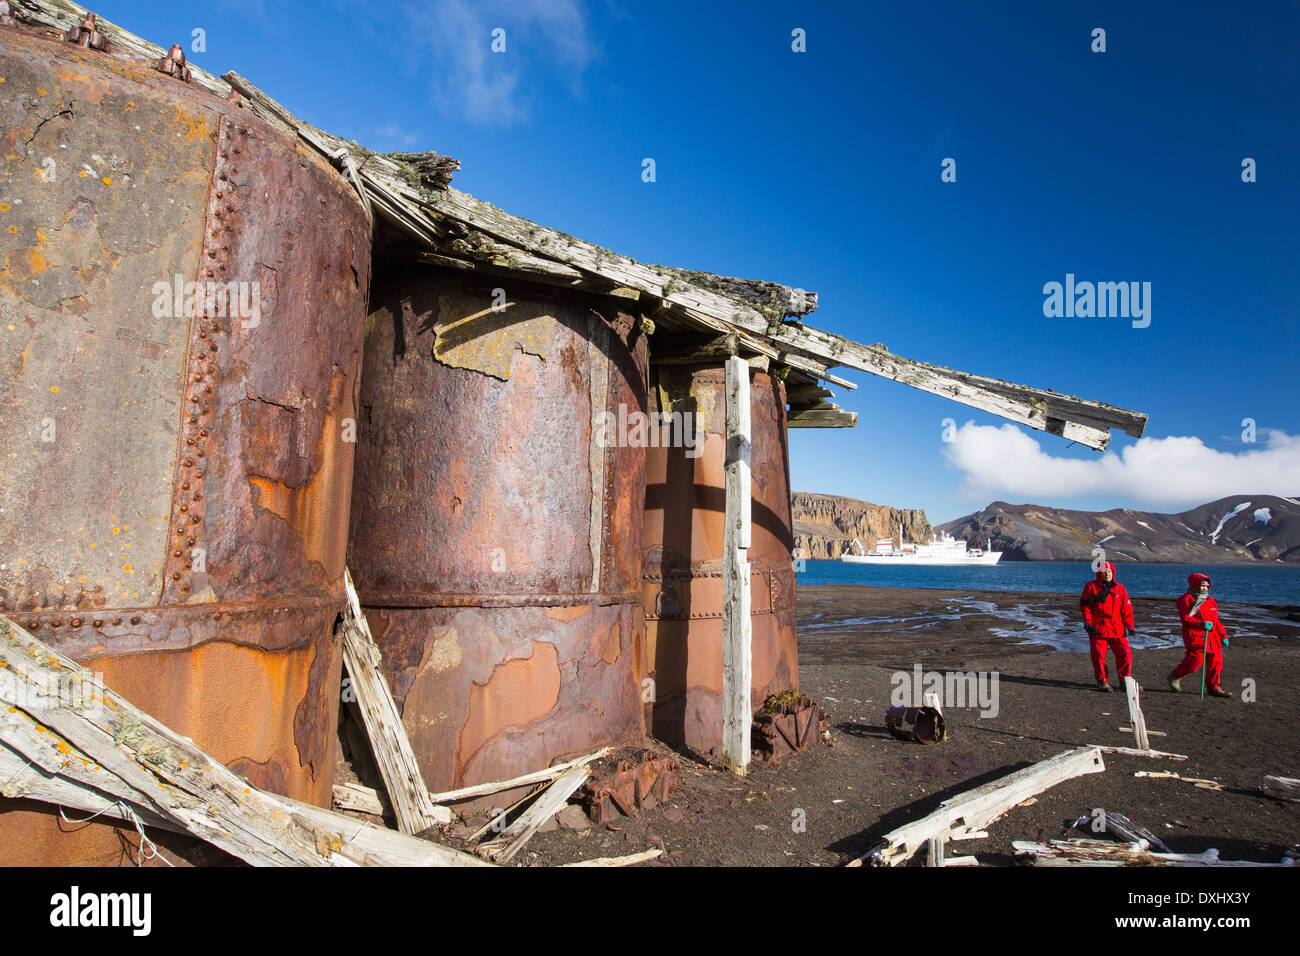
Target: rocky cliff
(1239,529)
(825,524)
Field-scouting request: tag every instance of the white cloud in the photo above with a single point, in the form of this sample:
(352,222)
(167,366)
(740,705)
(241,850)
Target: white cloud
(1171,473)
(455,40)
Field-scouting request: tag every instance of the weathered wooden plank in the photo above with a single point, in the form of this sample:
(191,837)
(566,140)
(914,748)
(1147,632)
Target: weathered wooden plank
(104,749)
(1283,788)
(513,837)
(821,418)
(1131,832)
(737,661)
(1135,714)
(388,742)
(353,796)
(629,860)
(1200,782)
(1135,752)
(806,394)
(976,809)
(1073,418)
(537,776)
(1065,415)
(1105,853)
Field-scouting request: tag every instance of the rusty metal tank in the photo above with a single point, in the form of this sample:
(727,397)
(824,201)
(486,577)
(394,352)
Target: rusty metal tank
(496,533)
(174,468)
(683,547)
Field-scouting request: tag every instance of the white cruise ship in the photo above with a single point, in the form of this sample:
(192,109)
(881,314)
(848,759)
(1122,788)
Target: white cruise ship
(944,549)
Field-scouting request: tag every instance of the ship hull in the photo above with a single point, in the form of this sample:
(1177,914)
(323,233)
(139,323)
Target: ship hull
(907,559)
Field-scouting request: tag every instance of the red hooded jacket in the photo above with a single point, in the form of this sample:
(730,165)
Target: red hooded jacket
(1208,613)
(1107,608)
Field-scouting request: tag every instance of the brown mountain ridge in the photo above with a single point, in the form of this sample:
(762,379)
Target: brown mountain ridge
(1239,529)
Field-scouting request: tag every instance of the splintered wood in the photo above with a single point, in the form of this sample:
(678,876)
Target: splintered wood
(414,810)
(103,755)
(1283,788)
(1106,853)
(514,836)
(976,809)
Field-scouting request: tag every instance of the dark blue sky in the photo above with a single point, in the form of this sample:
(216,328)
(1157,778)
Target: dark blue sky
(822,170)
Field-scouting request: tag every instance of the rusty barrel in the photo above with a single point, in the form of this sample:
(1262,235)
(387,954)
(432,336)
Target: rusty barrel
(496,531)
(182,300)
(682,556)
(922,725)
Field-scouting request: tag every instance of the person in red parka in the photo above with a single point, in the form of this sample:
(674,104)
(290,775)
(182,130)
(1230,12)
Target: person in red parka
(1108,619)
(1203,636)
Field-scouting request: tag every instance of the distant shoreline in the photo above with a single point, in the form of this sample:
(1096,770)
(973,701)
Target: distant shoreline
(817,589)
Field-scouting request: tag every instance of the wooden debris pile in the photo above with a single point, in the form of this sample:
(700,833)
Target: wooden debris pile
(88,749)
(93,751)
(788,723)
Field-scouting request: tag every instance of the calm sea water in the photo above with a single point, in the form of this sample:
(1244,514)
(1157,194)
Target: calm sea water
(1256,584)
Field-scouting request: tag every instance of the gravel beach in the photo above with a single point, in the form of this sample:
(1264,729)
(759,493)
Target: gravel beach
(855,642)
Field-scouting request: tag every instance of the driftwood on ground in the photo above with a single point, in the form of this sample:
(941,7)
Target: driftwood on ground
(1106,853)
(1135,752)
(514,836)
(1283,788)
(976,809)
(629,860)
(1131,832)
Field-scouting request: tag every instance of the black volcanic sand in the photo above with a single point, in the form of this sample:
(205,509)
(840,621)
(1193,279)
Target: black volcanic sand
(868,783)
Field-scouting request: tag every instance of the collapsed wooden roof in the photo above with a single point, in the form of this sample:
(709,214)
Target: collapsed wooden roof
(411,193)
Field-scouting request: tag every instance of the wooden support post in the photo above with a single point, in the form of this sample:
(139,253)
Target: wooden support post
(1135,714)
(737,627)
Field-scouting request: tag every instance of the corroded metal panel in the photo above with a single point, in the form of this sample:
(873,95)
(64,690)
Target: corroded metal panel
(682,559)
(182,302)
(495,541)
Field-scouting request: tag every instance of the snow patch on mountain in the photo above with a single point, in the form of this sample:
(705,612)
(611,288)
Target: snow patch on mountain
(1224,520)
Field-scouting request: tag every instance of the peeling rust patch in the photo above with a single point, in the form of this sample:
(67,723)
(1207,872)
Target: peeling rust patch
(485,339)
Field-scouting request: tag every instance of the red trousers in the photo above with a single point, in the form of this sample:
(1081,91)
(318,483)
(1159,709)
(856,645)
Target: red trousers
(1213,654)
(1123,657)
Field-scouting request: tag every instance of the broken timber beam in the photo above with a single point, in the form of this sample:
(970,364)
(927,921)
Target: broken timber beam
(629,860)
(1282,788)
(513,837)
(831,416)
(537,776)
(1106,853)
(394,757)
(737,625)
(1131,832)
(1135,752)
(104,754)
(976,809)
